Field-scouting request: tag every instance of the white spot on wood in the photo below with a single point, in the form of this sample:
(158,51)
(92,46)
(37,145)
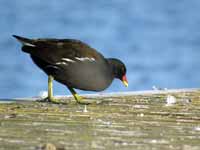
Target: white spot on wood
(158,88)
(170,100)
(85,109)
(197,128)
(43,94)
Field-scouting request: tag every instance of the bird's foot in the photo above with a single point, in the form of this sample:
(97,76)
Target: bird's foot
(51,100)
(85,101)
(80,99)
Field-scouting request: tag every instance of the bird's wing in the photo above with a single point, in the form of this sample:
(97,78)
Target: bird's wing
(59,51)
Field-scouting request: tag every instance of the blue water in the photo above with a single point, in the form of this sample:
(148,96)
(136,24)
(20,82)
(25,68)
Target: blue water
(158,40)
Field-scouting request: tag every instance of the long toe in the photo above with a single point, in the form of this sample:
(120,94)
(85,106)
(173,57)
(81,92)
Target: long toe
(54,100)
(51,100)
(84,101)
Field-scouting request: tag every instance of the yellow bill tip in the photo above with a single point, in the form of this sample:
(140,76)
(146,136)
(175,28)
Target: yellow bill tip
(124,80)
(125,83)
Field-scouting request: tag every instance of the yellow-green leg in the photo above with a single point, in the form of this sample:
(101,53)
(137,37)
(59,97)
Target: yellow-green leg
(50,90)
(76,96)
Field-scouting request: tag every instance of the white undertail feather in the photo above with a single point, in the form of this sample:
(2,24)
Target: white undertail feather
(26,43)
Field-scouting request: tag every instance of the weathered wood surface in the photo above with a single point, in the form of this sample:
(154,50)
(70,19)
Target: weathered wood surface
(136,120)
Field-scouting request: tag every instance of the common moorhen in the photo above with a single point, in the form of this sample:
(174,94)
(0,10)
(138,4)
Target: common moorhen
(74,64)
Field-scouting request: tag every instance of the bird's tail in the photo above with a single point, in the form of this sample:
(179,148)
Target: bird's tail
(25,41)
(28,45)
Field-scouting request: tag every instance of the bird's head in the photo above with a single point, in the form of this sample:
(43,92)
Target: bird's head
(119,70)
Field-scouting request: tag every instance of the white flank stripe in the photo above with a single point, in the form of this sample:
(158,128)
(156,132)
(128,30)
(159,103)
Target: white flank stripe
(61,63)
(85,58)
(68,60)
(92,59)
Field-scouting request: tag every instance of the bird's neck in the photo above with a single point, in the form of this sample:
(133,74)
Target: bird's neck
(113,66)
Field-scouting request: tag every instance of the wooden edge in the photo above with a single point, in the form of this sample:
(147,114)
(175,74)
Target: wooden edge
(113,94)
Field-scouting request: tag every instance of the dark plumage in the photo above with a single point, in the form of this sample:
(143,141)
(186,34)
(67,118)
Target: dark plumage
(74,63)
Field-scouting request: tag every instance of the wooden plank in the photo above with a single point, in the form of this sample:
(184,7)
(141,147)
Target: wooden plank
(161,119)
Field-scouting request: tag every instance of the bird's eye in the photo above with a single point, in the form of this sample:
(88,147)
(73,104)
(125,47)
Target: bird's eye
(123,70)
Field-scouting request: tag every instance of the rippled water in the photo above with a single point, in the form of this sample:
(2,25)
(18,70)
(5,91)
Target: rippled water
(158,40)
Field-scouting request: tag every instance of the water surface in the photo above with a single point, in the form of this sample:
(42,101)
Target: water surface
(158,40)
